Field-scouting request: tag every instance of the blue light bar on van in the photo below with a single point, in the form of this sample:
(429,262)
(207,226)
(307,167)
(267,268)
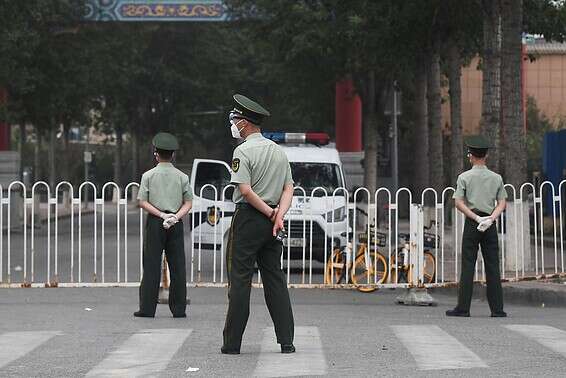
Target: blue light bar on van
(281,137)
(276,137)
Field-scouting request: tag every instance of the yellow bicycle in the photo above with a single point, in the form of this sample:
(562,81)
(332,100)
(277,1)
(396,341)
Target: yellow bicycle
(400,268)
(369,267)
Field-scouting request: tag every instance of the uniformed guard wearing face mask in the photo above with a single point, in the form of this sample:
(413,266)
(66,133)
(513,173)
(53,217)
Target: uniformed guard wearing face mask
(263,194)
(478,190)
(165,194)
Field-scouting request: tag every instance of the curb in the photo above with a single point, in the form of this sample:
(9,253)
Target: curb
(547,295)
(42,221)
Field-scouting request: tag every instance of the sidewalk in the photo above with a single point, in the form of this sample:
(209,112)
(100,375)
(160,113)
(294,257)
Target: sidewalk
(64,212)
(536,293)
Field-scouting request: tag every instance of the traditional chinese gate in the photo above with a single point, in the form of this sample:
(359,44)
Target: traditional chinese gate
(155,10)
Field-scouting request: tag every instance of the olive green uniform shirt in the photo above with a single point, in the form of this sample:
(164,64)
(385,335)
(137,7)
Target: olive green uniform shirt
(262,164)
(480,188)
(165,187)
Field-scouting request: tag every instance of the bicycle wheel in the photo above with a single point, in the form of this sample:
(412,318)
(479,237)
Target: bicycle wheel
(336,264)
(398,268)
(429,267)
(360,272)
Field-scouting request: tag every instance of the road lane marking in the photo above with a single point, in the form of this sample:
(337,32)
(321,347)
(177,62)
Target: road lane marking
(549,337)
(14,345)
(308,360)
(434,349)
(145,353)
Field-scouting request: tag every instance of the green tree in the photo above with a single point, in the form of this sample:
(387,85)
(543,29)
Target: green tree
(372,42)
(41,68)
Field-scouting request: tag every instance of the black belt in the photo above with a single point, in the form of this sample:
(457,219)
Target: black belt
(245,205)
(480,213)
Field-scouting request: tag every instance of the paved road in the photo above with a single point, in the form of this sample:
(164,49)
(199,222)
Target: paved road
(50,333)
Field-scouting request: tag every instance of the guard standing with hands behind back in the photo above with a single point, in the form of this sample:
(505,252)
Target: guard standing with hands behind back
(166,195)
(477,192)
(263,194)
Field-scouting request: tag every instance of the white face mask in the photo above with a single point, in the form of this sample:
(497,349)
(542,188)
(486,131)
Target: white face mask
(234,129)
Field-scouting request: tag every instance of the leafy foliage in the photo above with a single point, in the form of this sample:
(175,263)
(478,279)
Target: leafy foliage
(141,78)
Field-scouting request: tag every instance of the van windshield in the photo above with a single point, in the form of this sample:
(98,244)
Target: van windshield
(311,175)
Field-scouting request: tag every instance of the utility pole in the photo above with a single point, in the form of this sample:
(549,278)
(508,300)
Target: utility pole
(395,151)
(87,160)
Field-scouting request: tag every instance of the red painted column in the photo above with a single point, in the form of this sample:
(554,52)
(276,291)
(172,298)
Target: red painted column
(348,117)
(4,127)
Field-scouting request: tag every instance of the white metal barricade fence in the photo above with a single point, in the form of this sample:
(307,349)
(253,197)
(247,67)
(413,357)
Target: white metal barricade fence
(82,236)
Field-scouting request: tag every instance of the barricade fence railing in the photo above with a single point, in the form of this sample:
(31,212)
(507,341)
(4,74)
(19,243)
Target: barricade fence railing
(89,235)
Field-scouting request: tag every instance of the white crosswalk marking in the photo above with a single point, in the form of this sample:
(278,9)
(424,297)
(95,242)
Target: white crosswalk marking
(14,345)
(434,349)
(145,353)
(550,337)
(308,360)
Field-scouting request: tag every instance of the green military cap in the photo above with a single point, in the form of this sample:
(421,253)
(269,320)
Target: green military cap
(248,109)
(477,145)
(477,141)
(165,141)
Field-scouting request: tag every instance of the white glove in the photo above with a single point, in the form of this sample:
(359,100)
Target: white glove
(169,222)
(479,219)
(485,224)
(165,215)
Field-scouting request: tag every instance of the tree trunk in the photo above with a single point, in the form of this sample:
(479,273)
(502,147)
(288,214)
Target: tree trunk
(455,91)
(135,154)
(514,137)
(21,147)
(51,156)
(118,157)
(370,135)
(36,155)
(491,82)
(421,177)
(436,155)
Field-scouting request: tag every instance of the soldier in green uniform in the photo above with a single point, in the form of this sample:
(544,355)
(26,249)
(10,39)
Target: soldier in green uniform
(480,195)
(166,195)
(263,194)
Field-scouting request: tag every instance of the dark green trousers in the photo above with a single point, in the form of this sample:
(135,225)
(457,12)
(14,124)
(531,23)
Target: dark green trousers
(471,239)
(251,240)
(158,239)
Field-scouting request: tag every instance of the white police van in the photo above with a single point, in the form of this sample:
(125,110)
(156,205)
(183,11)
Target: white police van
(318,209)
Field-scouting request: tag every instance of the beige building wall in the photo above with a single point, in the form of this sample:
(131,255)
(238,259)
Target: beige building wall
(545,80)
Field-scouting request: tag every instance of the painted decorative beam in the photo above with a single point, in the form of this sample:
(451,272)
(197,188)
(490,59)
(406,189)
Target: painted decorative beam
(155,10)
